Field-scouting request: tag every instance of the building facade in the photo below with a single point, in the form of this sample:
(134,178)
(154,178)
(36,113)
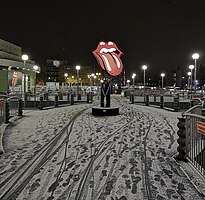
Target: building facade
(59,74)
(13,69)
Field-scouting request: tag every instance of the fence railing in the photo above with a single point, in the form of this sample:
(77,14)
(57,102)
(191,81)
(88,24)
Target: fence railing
(13,105)
(174,102)
(8,108)
(192,137)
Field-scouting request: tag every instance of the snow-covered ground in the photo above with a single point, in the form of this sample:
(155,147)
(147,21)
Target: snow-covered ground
(67,153)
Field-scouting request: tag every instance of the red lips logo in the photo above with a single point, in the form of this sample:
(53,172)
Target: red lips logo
(108,56)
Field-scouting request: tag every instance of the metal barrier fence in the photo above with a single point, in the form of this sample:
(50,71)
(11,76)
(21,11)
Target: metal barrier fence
(8,108)
(13,106)
(174,102)
(50,98)
(195,137)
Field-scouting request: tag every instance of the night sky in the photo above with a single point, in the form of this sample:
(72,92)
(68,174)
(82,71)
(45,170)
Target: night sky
(162,34)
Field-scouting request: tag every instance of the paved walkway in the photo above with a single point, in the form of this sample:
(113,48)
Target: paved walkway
(66,153)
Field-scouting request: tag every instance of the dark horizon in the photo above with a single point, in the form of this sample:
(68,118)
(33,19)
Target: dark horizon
(162,35)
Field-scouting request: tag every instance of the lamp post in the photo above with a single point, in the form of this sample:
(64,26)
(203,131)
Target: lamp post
(35,68)
(195,56)
(77,68)
(92,76)
(24,58)
(189,75)
(182,83)
(162,75)
(65,84)
(128,84)
(89,76)
(98,77)
(191,67)
(133,78)
(144,67)
(66,76)
(95,77)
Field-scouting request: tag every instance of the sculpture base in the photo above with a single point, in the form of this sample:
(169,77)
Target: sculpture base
(105,111)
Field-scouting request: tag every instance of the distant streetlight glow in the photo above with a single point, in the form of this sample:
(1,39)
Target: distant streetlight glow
(35,67)
(128,83)
(162,75)
(24,58)
(77,68)
(133,77)
(191,67)
(189,74)
(144,67)
(195,56)
(65,75)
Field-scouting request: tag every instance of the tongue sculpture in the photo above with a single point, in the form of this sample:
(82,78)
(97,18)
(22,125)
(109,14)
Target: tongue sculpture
(108,56)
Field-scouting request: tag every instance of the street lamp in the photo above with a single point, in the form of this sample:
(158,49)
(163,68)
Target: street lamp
(162,75)
(195,56)
(66,76)
(144,67)
(35,67)
(189,74)
(191,67)
(98,76)
(133,77)
(128,83)
(77,68)
(92,77)
(24,58)
(95,77)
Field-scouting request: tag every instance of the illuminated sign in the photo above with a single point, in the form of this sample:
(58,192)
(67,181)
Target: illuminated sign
(108,56)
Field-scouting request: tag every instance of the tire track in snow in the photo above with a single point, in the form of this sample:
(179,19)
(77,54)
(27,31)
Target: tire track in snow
(28,169)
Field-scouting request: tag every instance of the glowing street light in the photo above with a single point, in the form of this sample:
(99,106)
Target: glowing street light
(195,56)
(35,68)
(24,58)
(128,83)
(189,74)
(77,68)
(191,67)
(133,77)
(162,75)
(65,75)
(144,67)
(95,77)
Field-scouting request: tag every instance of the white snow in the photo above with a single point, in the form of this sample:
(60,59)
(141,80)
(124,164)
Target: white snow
(51,155)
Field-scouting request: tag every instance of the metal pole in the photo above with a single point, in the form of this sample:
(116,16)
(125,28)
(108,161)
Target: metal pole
(144,80)
(162,82)
(24,82)
(191,83)
(77,83)
(35,90)
(133,83)
(195,72)
(195,75)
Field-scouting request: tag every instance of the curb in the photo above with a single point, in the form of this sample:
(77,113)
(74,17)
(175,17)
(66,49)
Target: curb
(4,126)
(2,129)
